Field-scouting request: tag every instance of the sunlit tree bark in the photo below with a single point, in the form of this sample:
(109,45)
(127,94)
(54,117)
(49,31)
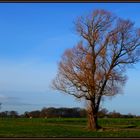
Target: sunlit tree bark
(96,66)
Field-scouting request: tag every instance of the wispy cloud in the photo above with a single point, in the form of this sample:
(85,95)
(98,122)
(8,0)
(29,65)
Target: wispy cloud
(26,76)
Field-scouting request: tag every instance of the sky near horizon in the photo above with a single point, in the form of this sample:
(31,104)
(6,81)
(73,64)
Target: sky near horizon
(33,36)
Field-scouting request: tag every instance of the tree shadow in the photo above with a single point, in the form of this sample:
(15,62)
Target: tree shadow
(131,126)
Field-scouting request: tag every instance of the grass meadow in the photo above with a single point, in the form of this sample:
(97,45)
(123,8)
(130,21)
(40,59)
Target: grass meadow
(68,127)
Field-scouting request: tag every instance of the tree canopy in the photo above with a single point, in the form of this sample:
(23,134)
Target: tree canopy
(96,66)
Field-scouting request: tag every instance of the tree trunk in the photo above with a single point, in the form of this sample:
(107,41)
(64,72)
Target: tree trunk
(92,122)
(92,118)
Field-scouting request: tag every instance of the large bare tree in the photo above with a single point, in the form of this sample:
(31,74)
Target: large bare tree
(96,66)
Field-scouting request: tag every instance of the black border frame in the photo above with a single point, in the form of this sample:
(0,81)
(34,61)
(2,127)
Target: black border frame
(68,1)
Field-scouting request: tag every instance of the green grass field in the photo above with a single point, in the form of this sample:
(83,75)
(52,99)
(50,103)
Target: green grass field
(67,127)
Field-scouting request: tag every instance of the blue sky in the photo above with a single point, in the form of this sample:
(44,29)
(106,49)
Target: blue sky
(33,37)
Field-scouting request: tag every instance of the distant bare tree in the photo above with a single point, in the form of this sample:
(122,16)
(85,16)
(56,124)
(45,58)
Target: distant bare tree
(96,66)
(0,105)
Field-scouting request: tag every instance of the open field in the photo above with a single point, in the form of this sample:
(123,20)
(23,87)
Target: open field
(68,127)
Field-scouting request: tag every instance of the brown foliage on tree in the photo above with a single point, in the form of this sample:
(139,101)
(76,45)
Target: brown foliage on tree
(96,66)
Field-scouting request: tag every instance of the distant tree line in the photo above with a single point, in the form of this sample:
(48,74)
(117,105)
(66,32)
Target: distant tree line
(11,114)
(104,113)
(52,112)
(56,112)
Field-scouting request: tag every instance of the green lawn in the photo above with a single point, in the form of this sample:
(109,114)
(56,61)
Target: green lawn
(67,127)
